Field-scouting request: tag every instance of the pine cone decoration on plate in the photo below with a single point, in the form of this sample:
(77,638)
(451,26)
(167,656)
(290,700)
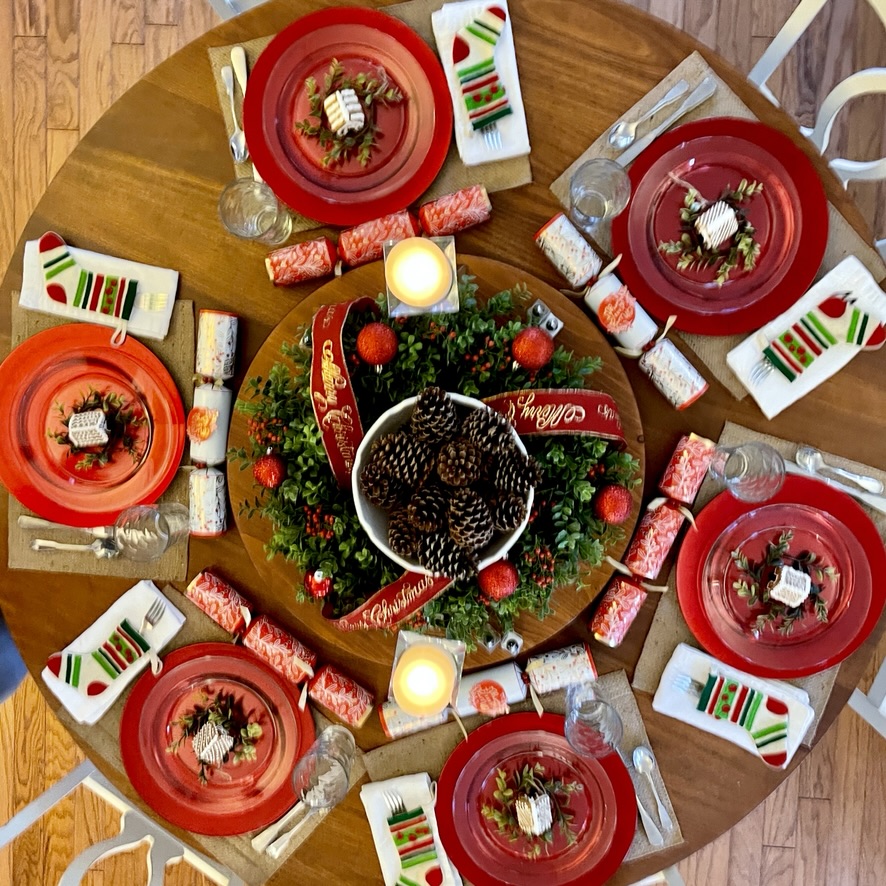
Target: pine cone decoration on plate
(516,473)
(487,429)
(508,512)
(438,552)
(402,456)
(381,489)
(470,523)
(459,463)
(427,508)
(434,418)
(402,535)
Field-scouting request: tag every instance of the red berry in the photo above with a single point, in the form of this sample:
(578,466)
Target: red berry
(498,580)
(269,470)
(317,583)
(377,344)
(612,504)
(532,348)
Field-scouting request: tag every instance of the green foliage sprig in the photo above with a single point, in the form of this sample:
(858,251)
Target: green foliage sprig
(469,353)
(372,91)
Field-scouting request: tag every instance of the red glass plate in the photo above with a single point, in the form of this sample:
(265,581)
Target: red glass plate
(824,521)
(56,369)
(605,808)
(237,797)
(790,215)
(414,134)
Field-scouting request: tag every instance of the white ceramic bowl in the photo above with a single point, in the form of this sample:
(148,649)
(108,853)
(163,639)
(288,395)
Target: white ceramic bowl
(375,519)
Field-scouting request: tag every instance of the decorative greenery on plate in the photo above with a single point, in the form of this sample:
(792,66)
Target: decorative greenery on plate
(756,576)
(741,247)
(530,780)
(469,353)
(122,420)
(371,90)
(227,712)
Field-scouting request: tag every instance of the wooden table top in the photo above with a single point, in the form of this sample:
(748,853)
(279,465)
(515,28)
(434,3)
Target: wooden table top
(144,183)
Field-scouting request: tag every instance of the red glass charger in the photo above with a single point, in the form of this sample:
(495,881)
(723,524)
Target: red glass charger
(42,380)
(238,797)
(824,521)
(413,138)
(790,217)
(605,809)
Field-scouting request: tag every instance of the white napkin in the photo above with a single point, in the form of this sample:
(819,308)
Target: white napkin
(472,147)
(132,605)
(681,705)
(150,316)
(775,393)
(416,791)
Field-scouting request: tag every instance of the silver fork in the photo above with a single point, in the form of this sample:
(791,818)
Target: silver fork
(151,619)
(685,683)
(492,137)
(394,802)
(760,371)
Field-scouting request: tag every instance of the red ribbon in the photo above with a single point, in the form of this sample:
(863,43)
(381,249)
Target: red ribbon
(332,395)
(560,411)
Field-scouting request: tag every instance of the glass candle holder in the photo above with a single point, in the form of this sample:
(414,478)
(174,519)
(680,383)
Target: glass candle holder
(420,276)
(426,673)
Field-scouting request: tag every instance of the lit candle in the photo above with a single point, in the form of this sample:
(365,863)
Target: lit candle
(417,272)
(424,679)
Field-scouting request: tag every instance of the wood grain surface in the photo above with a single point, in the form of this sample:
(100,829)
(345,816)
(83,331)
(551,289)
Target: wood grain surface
(155,162)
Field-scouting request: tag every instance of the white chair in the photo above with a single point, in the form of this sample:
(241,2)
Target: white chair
(135,828)
(667,877)
(230,8)
(872,707)
(860,83)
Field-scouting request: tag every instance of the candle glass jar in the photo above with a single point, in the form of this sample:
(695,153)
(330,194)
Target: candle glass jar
(420,276)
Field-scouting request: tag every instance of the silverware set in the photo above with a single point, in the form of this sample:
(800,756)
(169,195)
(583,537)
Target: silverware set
(239,70)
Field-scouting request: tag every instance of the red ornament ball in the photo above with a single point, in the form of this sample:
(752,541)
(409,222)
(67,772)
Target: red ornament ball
(498,580)
(532,348)
(269,470)
(317,583)
(612,504)
(377,344)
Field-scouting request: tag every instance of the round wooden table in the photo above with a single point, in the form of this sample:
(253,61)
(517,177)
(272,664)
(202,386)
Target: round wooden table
(144,184)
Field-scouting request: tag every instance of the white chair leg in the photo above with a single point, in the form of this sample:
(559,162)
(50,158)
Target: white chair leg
(667,877)
(872,707)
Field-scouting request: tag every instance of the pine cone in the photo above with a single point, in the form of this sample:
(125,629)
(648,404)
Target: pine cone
(403,457)
(508,512)
(516,473)
(470,523)
(427,508)
(459,463)
(402,535)
(439,553)
(487,429)
(381,489)
(434,418)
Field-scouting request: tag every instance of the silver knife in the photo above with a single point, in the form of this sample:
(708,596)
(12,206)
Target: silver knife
(877,502)
(700,94)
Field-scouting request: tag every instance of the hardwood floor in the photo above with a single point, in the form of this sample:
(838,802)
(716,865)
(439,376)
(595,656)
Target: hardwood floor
(65,61)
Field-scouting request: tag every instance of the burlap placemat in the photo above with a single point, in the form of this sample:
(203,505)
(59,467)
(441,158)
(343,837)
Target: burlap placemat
(454,175)
(842,237)
(429,750)
(669,628)
(176,351)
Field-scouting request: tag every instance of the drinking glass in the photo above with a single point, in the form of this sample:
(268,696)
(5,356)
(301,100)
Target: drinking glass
(250,210)
(598,190)
(752,472)
(593,726)
(146,532)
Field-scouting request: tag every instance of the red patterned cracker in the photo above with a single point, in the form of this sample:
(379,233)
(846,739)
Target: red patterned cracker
(219,601)
(617,610)
(341,695)
(301,261)
(365,243)
(455,212)
(686,470)
(654,539)
(280,649)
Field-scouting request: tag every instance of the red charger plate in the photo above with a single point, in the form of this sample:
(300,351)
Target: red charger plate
(57,367)
(790,215)
(824,520)
(241,797)
(605,809)
(414,135)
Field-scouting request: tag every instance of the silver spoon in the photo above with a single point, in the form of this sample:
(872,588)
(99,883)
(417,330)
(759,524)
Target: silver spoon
(623,134)
(238,138)
(644,763)
(103,548)
(812,461)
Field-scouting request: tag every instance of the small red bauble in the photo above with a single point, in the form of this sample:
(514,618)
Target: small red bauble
(498,580)
(269,470)
(377,344)
(532,348)
(612,504)
(317,583)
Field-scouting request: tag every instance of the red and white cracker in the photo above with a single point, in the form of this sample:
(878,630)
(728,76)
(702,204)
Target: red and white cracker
(620,314)
(568,251)
(674,376)
(455,212)
(207,503)
(216,350)
(490,691)
(396,722)
(617,610)
(341,696)
(687,468)
(301,261)
(654,539)
(365,243)
(556,670)
(283,652)
(219,601)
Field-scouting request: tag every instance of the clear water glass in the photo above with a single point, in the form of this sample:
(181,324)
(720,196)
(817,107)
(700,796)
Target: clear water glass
(598,190)
(146,532)
(249,209)
(593,727)
(752,472)
(321,777)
